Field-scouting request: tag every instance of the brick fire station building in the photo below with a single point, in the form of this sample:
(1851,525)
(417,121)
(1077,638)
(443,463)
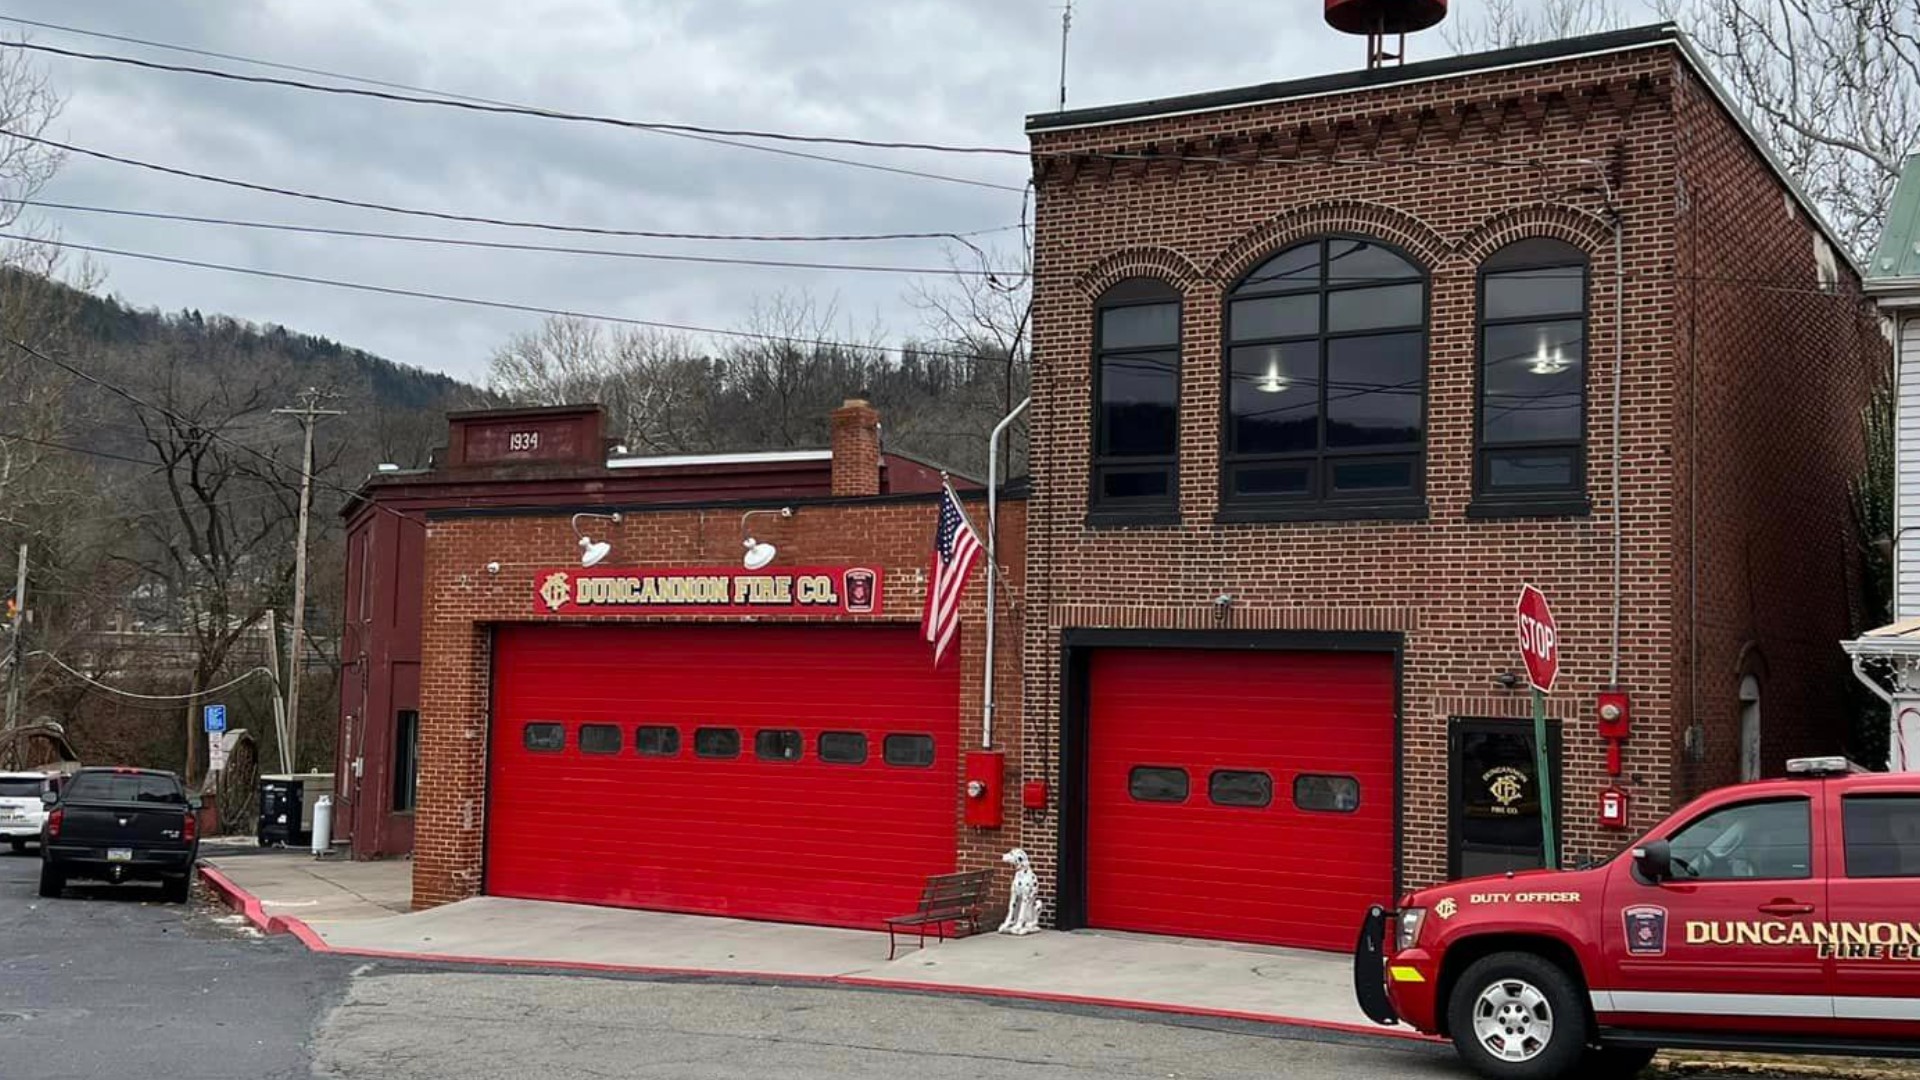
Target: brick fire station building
(1325,371)
(670,727)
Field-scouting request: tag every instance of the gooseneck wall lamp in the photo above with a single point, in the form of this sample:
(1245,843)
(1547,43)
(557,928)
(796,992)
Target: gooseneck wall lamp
(593,551)
(760,553)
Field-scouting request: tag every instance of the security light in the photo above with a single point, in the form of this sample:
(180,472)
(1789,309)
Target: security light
(760,553)
(593,551)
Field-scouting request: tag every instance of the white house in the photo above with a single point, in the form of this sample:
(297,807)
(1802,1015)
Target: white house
(1888,659)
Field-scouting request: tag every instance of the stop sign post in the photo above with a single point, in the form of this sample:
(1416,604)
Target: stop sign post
(1540,649)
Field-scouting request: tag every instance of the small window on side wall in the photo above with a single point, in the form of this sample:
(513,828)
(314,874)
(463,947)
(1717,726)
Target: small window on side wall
(656,741)
(1157,783)
(544,737)
(1136,391)
(716,742)
(1531,416)
(599,739)
(914,751)
(1326,794)
(1227,787)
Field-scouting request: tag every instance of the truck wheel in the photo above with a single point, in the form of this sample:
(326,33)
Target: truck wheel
(1613,1063)
(1518,1016)
(174,890)
(52,881)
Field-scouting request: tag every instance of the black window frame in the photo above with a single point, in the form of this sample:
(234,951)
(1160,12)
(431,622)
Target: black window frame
(1155,510)
(787,737)
(405,790)
(1358,793)
(1186,783)
(886,750)
(580,739)
(820,748)
(526,733)
(1213,789)
(1545,500)
(1320,502)
(640,742)
(734,755)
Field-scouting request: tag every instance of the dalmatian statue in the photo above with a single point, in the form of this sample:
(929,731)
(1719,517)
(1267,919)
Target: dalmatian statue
(1023,909)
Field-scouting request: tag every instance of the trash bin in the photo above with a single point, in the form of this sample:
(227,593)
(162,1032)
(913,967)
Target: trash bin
(286,807)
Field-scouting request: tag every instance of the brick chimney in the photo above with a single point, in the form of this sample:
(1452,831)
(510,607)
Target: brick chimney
(856,448)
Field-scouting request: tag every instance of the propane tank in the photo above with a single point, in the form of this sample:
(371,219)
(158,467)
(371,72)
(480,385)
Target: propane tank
(322,825)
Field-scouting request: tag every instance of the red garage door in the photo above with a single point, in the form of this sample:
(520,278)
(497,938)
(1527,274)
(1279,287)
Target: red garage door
(802,773)
(1244,795)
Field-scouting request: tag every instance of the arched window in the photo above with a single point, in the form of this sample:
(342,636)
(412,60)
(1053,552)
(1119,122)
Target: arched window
(1531,420)
(1136,394)
(1326,405)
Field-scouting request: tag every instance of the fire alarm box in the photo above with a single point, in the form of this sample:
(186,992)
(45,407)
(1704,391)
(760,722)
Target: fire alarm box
(1613,714)
(1613,808)
(1033,795)
(986,780)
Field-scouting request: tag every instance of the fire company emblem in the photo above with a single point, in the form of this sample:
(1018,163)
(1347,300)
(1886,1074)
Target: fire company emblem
(1507,785)
(1646,930)
(1446,908)
(554,591)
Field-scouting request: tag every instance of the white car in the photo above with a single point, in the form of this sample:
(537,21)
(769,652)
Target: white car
(21,811)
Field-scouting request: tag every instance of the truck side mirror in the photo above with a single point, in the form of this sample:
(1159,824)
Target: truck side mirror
(48,798)
(1654,860)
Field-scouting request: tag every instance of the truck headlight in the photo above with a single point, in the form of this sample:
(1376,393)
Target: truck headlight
(1408,928)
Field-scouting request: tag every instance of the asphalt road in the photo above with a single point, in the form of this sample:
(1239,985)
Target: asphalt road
(113,983)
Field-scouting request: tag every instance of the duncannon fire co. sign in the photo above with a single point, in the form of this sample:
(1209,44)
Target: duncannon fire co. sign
(807,590)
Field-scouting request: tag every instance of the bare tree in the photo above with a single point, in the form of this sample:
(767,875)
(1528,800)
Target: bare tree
(1503,24)
(982,314)
(1835,88)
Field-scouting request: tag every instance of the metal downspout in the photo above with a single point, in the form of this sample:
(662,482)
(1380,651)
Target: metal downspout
(993,563)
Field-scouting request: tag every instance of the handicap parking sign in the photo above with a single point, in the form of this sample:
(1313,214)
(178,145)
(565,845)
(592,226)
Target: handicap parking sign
(216,719)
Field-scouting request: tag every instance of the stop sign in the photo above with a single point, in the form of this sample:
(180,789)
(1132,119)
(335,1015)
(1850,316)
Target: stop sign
(1539,638)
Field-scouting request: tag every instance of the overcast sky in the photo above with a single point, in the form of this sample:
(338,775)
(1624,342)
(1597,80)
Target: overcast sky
(949,71)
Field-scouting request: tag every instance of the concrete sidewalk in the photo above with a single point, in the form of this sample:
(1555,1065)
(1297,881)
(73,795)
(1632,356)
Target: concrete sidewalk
(351,908)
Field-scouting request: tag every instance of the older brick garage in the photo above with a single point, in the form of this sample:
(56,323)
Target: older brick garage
(1427,239)
(546,769)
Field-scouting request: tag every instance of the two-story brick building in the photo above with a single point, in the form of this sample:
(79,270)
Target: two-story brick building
(1325,371)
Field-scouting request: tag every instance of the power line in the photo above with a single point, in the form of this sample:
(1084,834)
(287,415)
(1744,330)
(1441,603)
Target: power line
(511,223)
(500,305)
(496,245)
(91,681)
(473,105)
(89,452)
(365,81)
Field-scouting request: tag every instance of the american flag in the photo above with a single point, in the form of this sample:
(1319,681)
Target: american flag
(955,549)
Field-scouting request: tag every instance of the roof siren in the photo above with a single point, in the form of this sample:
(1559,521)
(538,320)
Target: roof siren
(1376,19)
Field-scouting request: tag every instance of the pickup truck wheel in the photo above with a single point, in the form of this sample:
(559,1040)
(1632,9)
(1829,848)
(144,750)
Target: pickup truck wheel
(1613,1063)
(1518,1016)
(174,890)
(52,882)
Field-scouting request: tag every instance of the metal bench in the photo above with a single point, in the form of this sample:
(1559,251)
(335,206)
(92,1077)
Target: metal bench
(947,898)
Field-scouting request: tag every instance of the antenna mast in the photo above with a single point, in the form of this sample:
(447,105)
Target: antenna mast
(1066,24)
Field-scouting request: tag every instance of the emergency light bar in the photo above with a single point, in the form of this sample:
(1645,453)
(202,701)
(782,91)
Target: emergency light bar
(1821,766)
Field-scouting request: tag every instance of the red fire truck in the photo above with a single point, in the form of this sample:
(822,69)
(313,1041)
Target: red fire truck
(1779,916)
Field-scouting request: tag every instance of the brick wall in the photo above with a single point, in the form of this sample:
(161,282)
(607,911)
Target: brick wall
(1462,189)
(1767,436)
(463,601)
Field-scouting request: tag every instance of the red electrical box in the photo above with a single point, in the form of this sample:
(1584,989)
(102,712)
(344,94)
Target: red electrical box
(986,781)
(1033,795)
(1613,808)
(1612,714)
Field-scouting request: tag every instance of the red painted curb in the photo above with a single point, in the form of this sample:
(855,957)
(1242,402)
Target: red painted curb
(245,902)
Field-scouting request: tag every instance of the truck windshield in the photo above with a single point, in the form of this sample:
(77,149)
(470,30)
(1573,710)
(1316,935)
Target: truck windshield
(124,787)
(17,787)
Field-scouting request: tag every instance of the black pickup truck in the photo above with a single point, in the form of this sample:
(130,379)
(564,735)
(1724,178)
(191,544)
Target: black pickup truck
(120,825)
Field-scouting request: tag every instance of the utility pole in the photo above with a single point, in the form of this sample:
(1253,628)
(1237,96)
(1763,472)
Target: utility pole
(18,650)
(309,414)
